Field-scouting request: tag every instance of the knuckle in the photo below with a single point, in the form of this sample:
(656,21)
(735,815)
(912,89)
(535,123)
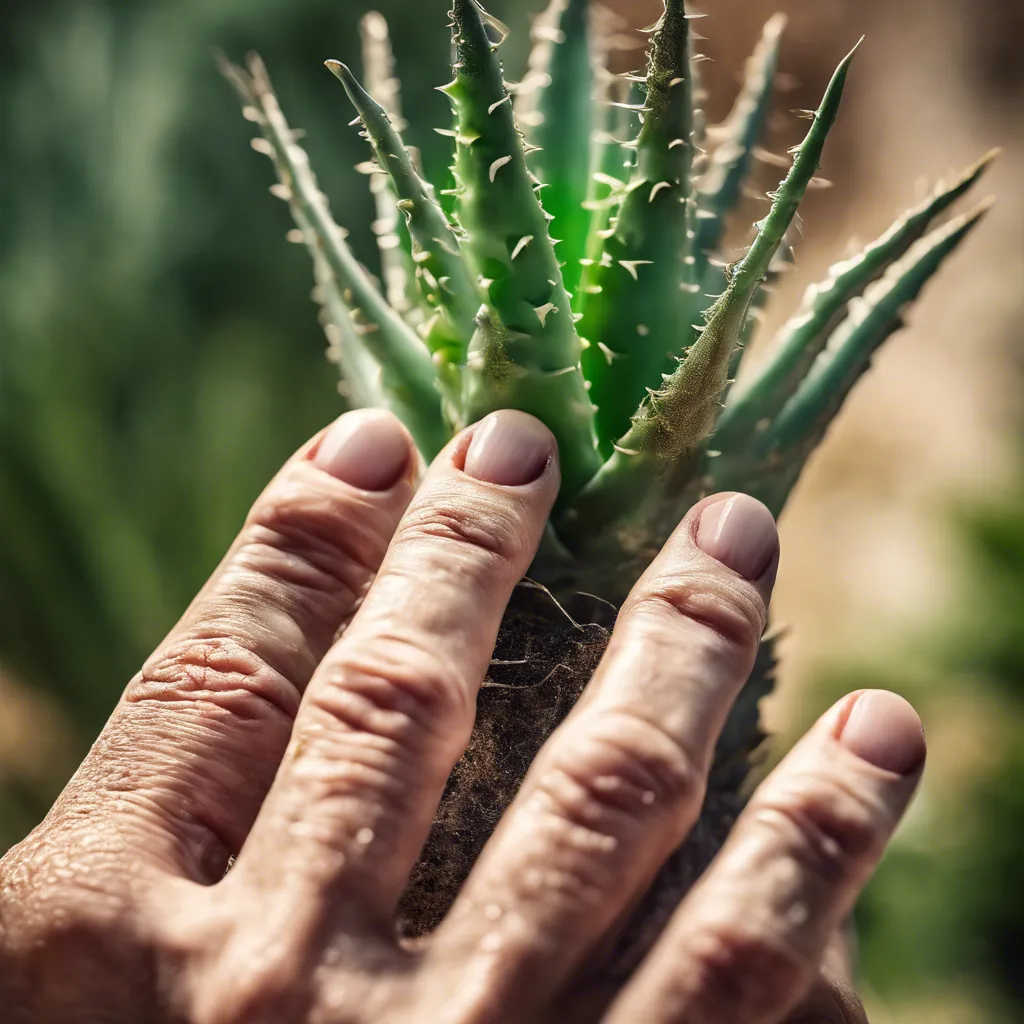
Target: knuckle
(626,768)
(314,541)
(737,973)
(729,608)
(832,832)
(216,673)
(394,689)
(481,532)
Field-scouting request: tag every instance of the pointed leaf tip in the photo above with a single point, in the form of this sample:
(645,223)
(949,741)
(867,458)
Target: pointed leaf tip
(340,71)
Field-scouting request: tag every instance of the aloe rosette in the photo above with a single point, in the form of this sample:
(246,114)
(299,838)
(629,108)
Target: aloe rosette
(575,272)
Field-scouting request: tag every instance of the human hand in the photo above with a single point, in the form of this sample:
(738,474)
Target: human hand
(311,703)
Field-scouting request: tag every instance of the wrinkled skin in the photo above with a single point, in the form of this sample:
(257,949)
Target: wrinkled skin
(305,712)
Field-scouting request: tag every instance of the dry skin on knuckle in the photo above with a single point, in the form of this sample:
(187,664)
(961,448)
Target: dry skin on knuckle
(731,972)
(217,674)
(393,686)
(730,609)
(832,831)
(478,532)
(623,769)
(372,720)
(329,542)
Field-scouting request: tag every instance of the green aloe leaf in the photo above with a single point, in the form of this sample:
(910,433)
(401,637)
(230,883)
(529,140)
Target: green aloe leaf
(804,336)
(665,439)
(446,285)
(721,186)
(637,304)
(802,423)
(406,370)
(393,241)
(554,106)
(525,354)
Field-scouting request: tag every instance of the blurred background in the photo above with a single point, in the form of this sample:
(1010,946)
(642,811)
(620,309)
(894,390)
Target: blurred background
(160,357)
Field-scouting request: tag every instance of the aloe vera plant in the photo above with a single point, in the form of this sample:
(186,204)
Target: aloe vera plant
(575,272)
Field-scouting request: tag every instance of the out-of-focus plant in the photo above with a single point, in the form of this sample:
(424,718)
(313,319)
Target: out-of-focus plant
(577,275)
(941,921)
(145,396)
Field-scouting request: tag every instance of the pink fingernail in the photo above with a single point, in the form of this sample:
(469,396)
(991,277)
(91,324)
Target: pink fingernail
(884,730)
(368,449)
(509,448)
(740,532)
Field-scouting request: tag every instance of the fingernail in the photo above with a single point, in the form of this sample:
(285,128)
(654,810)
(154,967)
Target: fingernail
(740,532)
(368,449)
(509,448)
(884,730)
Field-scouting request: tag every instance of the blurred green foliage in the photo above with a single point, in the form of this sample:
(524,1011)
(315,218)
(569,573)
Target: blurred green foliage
(159,356)
(159,359)
(945,913)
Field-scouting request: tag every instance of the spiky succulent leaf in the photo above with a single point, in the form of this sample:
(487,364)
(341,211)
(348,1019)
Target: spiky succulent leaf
(636,309)
(804,336)
(612,163)
(444,279)
(525,351)
(525,354)
(800,426)
(407,378)
(721,186)
(554,106)
(396,263)
(783,262)
(667,433)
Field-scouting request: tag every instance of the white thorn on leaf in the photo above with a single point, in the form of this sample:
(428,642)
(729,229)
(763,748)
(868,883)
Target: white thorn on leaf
(494,106)
(657,188)
(521,245)
(631,265)
(544,311)
(497,166)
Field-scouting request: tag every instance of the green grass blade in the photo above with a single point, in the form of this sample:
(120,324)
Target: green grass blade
(441,271)
(721,186)
(526,352)
(397,267)
(554,106)
(668,431)
(633,325)
(407,372)
(871,321)
(801,339)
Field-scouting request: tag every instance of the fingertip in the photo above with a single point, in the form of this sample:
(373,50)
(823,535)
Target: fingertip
(883,729)
(740,532)
(368,449)
(510,448)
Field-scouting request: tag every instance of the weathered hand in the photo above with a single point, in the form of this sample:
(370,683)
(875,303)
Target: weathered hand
(310,705)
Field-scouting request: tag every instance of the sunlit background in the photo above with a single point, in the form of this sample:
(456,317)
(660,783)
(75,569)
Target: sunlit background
(160,357)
